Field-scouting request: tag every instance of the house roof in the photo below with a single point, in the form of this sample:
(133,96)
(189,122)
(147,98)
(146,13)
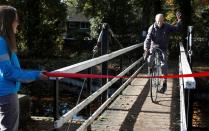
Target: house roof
(75,16)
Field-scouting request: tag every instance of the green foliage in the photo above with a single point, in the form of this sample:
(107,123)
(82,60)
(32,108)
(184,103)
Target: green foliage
(52,19)
(43,22)
(95,25)
(201,31)
(122,16)
(170,16)
(41,26)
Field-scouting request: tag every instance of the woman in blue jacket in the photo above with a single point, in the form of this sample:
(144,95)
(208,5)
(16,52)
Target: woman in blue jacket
(10,72)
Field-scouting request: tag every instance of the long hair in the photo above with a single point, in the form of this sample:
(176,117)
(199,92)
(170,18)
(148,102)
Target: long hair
(8,15)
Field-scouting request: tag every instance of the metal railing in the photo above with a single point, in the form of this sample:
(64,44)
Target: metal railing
(79,67)
(186,84)
(87,64)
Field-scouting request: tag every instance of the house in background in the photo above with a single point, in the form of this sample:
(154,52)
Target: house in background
(78,26)
(77,35)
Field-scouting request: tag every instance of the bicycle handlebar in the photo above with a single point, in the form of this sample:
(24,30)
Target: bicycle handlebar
(149,52)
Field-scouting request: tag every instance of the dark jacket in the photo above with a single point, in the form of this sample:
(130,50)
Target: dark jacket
(159,36)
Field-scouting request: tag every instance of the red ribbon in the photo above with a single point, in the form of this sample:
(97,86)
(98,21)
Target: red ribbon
(78,75)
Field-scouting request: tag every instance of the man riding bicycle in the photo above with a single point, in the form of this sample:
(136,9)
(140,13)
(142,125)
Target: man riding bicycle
(158,34)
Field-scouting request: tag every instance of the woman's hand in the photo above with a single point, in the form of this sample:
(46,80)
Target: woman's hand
(42,76)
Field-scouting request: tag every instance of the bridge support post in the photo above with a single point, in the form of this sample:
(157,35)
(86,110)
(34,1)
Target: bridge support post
(189,107)
(89,83)
(56,101)
(189,45)
(189,93)
(104,50)
(121,69)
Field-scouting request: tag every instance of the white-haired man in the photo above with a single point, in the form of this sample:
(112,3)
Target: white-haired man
(158,35)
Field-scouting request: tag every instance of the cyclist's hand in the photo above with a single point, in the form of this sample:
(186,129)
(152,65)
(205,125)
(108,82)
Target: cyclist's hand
(145,49)
(95,50)
(178,15)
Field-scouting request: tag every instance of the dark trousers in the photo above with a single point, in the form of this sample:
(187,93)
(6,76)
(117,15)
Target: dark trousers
(9,112)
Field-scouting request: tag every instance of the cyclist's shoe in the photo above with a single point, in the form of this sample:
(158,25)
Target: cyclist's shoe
(164,88)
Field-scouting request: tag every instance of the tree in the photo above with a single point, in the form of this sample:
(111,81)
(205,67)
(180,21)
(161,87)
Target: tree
(186,9)
(41,26)
(45,25)
(119,14)
(32,23)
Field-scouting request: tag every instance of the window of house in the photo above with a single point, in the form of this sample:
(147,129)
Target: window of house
(84,25)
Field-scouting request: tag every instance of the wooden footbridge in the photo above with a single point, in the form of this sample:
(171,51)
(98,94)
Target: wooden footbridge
(130,107)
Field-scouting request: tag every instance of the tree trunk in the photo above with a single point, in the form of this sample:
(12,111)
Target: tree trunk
(33,22)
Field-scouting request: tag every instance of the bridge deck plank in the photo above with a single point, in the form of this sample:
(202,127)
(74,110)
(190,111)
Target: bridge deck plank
(133,110)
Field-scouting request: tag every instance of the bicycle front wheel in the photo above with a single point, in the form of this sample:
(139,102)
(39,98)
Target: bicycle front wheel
(153,84)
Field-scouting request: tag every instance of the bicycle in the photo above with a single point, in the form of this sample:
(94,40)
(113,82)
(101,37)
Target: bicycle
(154,69)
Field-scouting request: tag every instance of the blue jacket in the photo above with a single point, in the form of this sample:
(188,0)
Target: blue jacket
(10,72)
(159,36)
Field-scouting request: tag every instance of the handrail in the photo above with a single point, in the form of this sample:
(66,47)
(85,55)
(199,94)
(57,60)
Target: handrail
(185,83)
(189,82)
(182,103)
(88,64)
(113,35)
(92,62)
